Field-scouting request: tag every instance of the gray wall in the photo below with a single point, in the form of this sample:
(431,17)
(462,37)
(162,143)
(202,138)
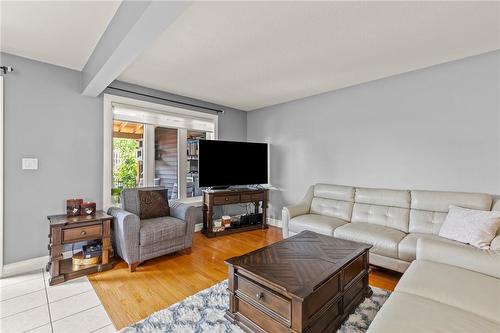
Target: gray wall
(47,117)
(436,128)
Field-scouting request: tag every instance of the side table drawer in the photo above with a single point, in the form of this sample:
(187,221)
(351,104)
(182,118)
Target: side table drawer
(81,233)
(227,199)
(265,297)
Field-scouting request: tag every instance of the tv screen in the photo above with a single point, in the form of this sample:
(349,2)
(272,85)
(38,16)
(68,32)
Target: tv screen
(227,163)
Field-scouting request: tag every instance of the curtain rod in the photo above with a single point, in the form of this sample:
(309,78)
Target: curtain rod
(167,100)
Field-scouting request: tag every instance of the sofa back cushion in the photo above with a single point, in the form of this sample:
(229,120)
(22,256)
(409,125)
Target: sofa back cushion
(390,208)
(496,204)
(429,208)
(333,200)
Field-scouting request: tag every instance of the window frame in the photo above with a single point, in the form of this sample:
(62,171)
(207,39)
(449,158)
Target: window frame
(154,108)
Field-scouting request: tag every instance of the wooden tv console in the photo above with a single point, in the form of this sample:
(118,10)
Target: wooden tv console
(212,198)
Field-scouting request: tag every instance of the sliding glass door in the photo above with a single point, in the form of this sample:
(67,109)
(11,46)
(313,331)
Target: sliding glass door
(128,153)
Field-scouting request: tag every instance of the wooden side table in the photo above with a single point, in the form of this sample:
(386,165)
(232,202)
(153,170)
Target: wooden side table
(69,230)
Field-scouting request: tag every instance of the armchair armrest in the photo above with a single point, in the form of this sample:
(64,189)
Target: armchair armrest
(188,214)
(482,261)
(292,211)
(126,227)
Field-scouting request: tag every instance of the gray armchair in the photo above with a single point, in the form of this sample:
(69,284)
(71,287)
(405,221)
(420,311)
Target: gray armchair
(138,240)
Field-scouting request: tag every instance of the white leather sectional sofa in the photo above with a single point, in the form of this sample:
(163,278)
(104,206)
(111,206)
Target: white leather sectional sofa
(390,220)
(447,286)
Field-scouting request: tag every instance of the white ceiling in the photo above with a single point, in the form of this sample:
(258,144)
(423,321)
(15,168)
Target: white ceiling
(254,54)
(251,55)
(62,33)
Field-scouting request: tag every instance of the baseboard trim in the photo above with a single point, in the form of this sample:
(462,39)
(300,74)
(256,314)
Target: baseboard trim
(26,266)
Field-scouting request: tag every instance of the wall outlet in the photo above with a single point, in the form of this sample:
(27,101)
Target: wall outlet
(30,163)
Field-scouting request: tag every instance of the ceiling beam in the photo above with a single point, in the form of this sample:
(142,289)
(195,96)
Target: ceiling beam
(133,28)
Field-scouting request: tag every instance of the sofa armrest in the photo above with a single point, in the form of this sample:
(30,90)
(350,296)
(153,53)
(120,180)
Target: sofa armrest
(187,213)
(495,243)
(126,229)
(482,261)
(289,212)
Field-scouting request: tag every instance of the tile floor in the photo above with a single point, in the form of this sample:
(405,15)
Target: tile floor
(29,304)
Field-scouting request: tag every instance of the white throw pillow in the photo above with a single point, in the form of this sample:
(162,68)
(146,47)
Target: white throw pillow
(475,227)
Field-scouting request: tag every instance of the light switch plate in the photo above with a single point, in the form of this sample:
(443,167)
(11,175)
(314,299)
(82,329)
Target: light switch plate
(30,163)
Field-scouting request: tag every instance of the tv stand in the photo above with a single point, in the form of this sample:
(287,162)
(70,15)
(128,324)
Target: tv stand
(233,196)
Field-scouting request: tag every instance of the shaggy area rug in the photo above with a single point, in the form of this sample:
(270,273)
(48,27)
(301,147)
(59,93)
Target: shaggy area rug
(204,312)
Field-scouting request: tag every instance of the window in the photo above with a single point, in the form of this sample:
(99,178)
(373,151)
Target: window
(151,145)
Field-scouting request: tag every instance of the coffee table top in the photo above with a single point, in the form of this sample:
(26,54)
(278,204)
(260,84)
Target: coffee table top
(301,263)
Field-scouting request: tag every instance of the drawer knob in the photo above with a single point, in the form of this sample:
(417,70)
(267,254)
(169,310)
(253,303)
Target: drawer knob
(227,199)
(259,296)
(83,233)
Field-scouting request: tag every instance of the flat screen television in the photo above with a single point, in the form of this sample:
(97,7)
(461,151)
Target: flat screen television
(228,163)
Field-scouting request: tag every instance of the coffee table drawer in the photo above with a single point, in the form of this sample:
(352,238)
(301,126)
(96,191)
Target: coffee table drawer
(353,292)
(356,267)
(81,233)
(259,318)
(227,199)
(265,297)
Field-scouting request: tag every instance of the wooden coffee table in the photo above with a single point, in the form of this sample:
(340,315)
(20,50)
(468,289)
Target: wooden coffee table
(308,282)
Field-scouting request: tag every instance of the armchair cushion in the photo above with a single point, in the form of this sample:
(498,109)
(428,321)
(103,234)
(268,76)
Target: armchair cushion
(153,204)
(130,198)
(161,229)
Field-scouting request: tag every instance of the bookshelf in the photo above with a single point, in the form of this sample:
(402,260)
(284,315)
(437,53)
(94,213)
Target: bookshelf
(192,161)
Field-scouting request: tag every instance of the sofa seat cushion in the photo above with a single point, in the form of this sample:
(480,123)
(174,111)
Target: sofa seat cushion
(384,239)
(407,248)
(454,286)
(317,223)
(160,229)
(409,313)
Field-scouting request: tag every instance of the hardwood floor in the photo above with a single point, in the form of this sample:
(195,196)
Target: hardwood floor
(158,283)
